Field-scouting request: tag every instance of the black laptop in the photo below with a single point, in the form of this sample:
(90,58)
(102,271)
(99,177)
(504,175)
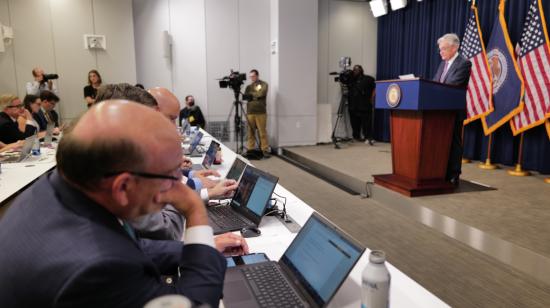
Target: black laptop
(192,151)
(309,273)
(236,170)
(209,157)
(248,204)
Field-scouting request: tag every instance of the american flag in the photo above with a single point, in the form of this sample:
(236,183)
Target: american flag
(534,62)
(479,94)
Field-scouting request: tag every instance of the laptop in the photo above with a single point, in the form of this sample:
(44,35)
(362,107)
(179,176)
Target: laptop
(308,274)
(209,157)
(248,205)
(25,151)
(192,150)
(236,170)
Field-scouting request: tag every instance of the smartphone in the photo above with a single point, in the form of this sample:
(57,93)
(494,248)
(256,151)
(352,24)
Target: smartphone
(246,259)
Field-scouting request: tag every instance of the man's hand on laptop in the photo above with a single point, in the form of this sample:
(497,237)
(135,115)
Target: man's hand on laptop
(203,175)
(231,244)
(224,189)
(186,201)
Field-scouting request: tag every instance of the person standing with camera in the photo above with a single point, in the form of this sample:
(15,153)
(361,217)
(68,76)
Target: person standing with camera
(361,94)
(256,94)
(41,82)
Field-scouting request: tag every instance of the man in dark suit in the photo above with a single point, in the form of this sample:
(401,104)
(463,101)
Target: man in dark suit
(454,69)
(13,120)
(66,241)
(47,114)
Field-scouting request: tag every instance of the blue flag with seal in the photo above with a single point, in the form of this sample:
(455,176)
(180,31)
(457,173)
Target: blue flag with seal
(507,80)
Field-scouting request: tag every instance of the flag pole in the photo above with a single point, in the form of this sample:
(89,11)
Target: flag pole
(487,164)
(518,171)
(464,160)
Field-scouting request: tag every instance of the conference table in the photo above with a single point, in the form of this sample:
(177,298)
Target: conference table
(15,177)
(273,241)
(275,238)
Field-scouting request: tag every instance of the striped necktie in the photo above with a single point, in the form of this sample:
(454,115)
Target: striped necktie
(445,69)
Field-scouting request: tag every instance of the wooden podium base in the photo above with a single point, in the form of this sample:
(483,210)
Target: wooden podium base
(411,188)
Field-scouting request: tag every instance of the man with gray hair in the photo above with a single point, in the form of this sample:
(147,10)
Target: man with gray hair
(455,70)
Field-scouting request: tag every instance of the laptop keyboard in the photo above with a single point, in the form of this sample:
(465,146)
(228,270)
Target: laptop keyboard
(270,287)
(225,217)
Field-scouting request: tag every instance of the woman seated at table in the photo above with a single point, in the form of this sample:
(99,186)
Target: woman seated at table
(32,105)
(90,91)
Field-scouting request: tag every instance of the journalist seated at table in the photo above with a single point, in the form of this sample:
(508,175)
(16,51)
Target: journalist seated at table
(14,121)
(169,223)
(47,115)
(66,241)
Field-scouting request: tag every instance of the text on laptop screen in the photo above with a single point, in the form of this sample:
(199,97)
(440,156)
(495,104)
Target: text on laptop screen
(321,259)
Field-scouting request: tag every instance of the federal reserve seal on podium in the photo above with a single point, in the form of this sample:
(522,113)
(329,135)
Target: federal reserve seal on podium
(393,95)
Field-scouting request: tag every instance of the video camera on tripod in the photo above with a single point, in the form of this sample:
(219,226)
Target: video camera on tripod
(235,80)
(345,76)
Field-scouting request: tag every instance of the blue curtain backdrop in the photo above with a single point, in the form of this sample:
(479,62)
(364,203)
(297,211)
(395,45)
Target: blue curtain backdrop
(407,44)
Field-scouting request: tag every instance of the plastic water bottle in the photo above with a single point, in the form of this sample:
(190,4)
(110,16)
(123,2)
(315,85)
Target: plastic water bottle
(375,290)
(36,147)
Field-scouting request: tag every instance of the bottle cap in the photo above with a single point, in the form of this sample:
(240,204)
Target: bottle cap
(377,256)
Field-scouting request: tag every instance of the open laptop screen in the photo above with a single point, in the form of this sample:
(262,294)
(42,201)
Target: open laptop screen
(321,257)
(210,155)
(195,142)
(236,169)
(253,192)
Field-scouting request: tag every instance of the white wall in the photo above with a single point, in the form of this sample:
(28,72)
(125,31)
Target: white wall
(50,34)
(346,28)
(210,37)
(297,70)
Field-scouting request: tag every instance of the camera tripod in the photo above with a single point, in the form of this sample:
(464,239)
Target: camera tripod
(341,119)
(237,110)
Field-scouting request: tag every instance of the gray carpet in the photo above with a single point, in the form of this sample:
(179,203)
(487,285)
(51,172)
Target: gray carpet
(459,275)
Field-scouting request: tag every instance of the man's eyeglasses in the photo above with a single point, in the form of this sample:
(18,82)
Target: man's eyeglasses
(16,106)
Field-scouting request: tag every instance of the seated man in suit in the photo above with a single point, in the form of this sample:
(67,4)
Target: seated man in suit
(454,69)
(14,120)
(47,115)
(66,241)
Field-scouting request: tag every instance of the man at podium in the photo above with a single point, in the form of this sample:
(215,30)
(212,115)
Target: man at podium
(454,69)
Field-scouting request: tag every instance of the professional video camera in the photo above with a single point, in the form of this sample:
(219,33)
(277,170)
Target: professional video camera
(47,77)
(234,81)
(345,76)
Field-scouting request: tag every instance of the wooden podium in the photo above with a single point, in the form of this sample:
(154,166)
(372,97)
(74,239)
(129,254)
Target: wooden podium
(422,122)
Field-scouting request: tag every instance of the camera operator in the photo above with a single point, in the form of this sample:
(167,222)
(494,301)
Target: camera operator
(42,82)
(256,93)
(361,94)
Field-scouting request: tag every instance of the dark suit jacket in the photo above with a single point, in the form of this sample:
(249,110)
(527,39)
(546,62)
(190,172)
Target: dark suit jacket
(9,130)
(458,74)
(61,249)
(40,118)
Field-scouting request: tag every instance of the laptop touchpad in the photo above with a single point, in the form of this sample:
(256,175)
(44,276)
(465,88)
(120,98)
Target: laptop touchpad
(236,291)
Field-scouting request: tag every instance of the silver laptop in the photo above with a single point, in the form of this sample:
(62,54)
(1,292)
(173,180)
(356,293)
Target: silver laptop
(25,151)
(209,157)
(309,273)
